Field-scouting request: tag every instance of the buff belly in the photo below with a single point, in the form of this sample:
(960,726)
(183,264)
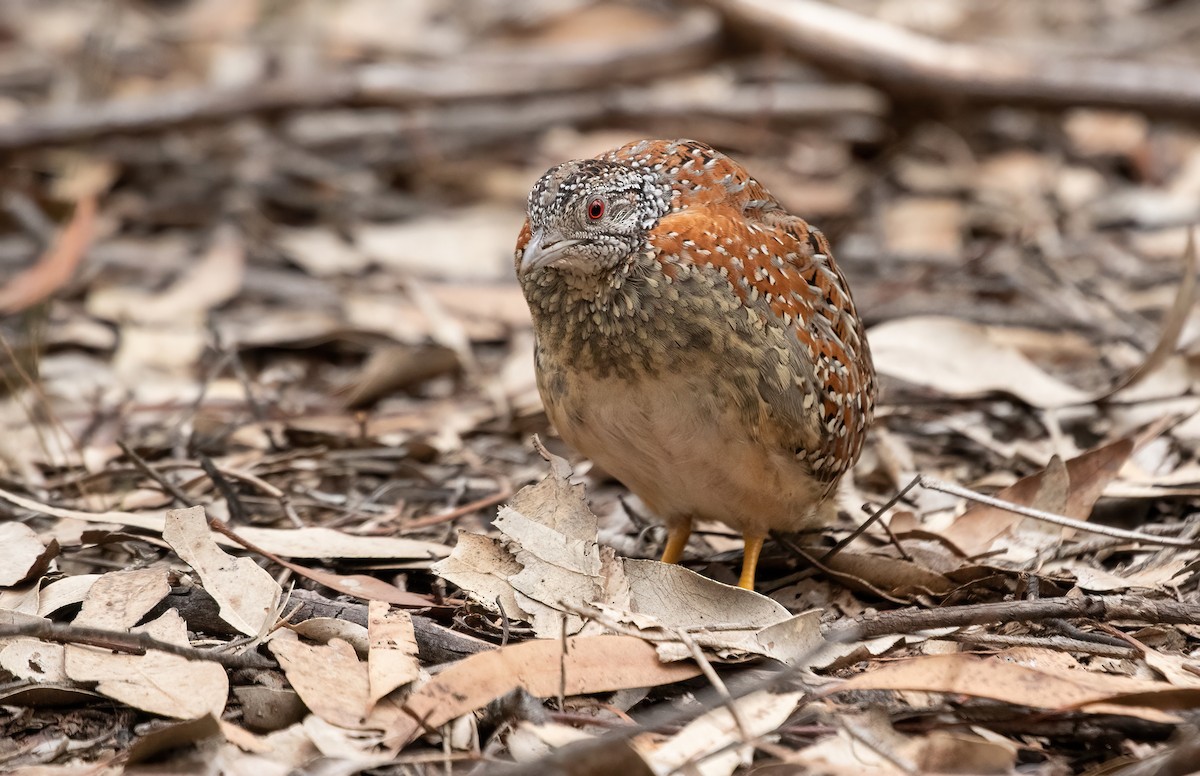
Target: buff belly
(684,450)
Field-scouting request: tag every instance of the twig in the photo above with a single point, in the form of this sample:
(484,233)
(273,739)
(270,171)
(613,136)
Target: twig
(857,532)
(1061,643)
(908,62)
(1049,517)
(173,490)
(237,513)
(722,691)
(466,509)
(840,575)
(124,641)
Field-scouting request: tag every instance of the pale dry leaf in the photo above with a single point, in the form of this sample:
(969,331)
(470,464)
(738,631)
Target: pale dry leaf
(1105,132)
(548,562)
(22,601)
(64,592)
(248,595)
(843,755)
(942,751)
(321,252)
(279,752)
(329,677)
(120,599)
(155,682)
(959,359)
(1173,324)
(325,629)
(317,543)
(1099,580)
(591,664)
(482,566)
(213,280)
(34,660)
(924,228)
(552,536)
(469,244)
(529,742)
(392,661)
(1179,670)
(25,556)
(998,679)
(358,749)
(709,741)
(717,616)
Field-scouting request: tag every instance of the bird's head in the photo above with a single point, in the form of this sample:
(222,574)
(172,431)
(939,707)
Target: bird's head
(587,218)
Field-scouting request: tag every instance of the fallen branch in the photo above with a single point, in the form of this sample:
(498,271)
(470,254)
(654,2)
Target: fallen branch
(1099,608)
(518,73)
(902,61)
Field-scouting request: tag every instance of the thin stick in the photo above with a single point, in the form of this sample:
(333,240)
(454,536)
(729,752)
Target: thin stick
(1050,517)
(718,684)
(466,509)
(857,532)
(237,512)
(124,641)
(173,490)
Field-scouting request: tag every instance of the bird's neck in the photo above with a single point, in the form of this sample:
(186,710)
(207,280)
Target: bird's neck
(600,322)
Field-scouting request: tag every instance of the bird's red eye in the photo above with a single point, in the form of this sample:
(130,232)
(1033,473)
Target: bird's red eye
(596,209)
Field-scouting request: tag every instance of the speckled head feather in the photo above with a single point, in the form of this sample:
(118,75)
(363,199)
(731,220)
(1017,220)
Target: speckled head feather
(602,209)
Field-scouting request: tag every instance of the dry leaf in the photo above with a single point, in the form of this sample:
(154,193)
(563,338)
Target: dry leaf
(1000,680)
(119,600)
(959,359)
(214,279)
(470,244)
(288,542)
(924,228)
(25,557)
(155,682)
(591,664)
(709,741)
(34,660)
(248,594)
(56,266)
(983,528)
(328,677)
(392,661)
(67,591)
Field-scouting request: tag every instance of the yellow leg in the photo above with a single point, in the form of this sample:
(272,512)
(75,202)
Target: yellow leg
(677,539)
(754,545)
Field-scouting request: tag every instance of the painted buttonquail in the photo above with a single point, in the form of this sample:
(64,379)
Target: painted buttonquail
(695,339)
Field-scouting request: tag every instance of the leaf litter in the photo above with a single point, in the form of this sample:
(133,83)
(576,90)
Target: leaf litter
(267,378)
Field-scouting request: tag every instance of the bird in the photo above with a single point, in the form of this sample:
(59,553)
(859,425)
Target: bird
(695,340)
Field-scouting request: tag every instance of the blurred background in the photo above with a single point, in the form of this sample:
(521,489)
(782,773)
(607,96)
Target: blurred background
(280,233)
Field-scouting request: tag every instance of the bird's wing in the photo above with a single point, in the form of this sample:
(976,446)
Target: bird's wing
(818,383)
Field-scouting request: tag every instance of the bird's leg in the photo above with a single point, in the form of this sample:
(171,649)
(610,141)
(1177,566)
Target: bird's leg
(677,539)
(754,545)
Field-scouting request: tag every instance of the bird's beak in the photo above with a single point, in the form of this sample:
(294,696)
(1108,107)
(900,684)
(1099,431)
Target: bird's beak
(540,252)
